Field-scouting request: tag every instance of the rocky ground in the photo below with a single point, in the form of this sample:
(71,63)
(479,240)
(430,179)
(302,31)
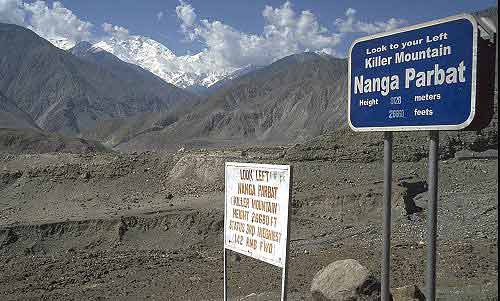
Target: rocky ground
(133,226)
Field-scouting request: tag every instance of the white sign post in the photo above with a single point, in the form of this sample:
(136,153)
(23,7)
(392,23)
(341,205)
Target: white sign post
(256,214)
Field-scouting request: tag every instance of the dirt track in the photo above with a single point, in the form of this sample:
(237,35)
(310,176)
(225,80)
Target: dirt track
(116,225)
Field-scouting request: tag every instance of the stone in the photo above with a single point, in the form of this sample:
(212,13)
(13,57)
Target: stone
(407,293)
(345,280)
(86,175)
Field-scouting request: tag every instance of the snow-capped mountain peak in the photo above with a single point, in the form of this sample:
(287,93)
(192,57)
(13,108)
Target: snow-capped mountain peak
(194,72)
(182,71)
(62,43)
(83,48)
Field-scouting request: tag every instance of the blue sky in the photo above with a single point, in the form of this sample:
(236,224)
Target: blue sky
(140,17)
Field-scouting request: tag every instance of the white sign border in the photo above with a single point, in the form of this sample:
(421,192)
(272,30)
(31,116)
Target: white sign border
(286,168)
(463,125)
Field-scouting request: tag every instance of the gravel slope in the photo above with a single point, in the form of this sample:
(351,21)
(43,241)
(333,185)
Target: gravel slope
(131,226)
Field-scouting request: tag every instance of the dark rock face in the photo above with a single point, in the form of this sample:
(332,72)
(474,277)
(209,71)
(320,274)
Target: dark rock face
(411,188)
(345,280)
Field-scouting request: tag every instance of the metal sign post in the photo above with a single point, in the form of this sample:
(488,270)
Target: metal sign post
(284,275)
(256,210)
(284,281)
(225,274)
(386,261)
(432,215)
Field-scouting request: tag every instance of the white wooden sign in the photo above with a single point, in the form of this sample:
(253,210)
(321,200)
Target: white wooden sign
(256,211)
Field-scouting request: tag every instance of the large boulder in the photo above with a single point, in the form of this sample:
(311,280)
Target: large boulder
(345,280)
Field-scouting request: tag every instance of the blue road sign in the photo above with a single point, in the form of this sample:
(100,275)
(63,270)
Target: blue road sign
(421,77)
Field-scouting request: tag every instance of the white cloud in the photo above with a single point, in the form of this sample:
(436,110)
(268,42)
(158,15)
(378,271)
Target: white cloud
(297,32)
(187,16)
(56,22)
(12,11)
(285,32)
(350,24)
(118,32)
(159,15)
(185,12)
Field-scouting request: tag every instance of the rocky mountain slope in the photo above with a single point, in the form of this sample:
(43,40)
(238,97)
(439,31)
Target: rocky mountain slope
(115,131)
(291,100)
(13,117)
(31,141)
(64,93)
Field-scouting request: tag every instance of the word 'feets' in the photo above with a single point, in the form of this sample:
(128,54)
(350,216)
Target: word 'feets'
(434,77)
(423,112)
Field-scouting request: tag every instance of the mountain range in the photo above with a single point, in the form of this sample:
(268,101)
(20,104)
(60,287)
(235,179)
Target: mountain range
(187,71)
(65,92)
(291,100)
